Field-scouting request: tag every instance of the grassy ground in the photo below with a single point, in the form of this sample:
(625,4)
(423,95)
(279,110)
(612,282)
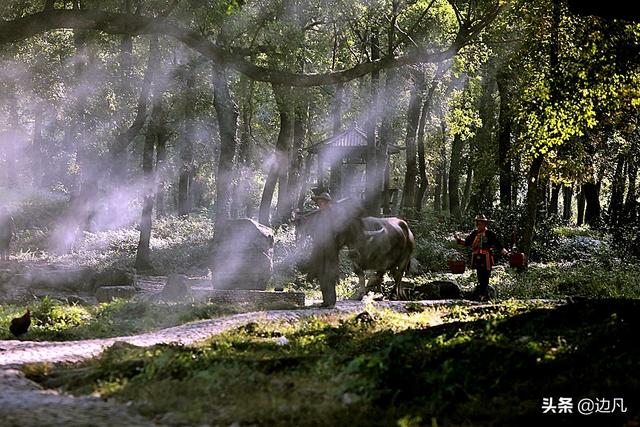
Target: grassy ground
(464,366)
(488,365)
(52,320)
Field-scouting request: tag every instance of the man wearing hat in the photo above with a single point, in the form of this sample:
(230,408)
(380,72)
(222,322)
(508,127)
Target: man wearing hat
(482,241)
(325,250)
(323,200)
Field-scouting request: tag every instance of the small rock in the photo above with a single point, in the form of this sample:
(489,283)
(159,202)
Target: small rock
(177,287)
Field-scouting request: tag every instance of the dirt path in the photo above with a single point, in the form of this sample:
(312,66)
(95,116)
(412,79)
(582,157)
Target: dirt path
(24,403)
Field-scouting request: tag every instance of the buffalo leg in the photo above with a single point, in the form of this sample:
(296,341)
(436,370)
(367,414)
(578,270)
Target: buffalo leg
(361,291)
(397,277)
(375,282)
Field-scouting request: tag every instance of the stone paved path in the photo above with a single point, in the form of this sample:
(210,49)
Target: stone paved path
(23,403)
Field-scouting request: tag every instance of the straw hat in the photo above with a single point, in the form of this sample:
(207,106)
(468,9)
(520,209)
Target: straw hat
(480,217)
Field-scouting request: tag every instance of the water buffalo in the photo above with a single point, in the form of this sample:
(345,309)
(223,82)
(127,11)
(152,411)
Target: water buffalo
(378,244)
(381,245)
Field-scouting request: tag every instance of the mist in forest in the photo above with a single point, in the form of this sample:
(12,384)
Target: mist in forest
(128,129)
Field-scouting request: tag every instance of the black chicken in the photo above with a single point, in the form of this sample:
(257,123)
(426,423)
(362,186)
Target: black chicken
(20,325)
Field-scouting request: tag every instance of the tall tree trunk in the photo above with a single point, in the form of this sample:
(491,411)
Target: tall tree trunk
(386,135)
(553,203)
(241,204)
(566,203)
(278,171)
(305,179)
(437,188)
(427,102)
(631,203)
(373,173)
(468,184)
(437,197)
(227,114)
(454,178)
(504,141)
(413,117)
(423,180)
(581,206)
(185,180)
(532,204)
(118,149)
(616,203)
(335,176)
(515,181)
(162,135)
(592,198)
(296,177)
(143,258)
(445,184)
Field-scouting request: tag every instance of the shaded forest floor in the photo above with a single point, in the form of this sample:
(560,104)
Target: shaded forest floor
(467,365)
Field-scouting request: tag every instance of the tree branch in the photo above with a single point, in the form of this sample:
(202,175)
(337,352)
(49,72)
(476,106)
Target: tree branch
(119,23)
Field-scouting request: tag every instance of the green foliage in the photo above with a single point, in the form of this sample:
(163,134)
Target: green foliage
(606,278)
(379,368)
(50,315)
(60,321)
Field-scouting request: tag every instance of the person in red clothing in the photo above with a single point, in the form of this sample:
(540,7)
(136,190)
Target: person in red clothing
(482,241)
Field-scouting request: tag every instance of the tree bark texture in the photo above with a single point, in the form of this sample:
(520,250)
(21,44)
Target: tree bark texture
(440,167)
(187,168)
(532,204)
(567,199)
(296,178)
(277,174)
(454,178)
(468,185)
(504,141)
(373,172)
(413,117)
(386,135)
(592,197)
(143,254)
(227,114)
(616,204)
(241,204)
(425,113)
(335,177)
(581,206)
(631,202)
(162,135)
(553,202)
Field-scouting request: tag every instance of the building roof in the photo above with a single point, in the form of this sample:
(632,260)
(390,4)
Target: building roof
(351,138)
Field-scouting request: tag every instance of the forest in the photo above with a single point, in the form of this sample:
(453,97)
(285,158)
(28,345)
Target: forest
(166,255)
